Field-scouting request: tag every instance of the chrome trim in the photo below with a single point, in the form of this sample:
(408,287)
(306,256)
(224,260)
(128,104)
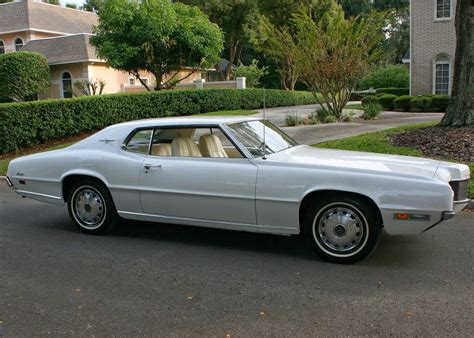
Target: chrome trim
(448,215)
(467,200)
(20,192)
(9,183)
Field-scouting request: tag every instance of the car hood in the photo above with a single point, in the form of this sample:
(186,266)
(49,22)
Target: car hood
(307,156)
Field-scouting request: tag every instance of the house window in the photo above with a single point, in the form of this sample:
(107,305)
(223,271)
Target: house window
(443,9)
(18,44)
(442,75)
(66,84)
(2,47)
(131,81)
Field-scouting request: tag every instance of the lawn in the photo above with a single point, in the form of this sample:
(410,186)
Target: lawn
(58,144)
(353,106)
(378,142)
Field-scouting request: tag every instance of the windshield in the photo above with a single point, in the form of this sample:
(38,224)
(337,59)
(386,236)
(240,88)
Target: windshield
(251,135)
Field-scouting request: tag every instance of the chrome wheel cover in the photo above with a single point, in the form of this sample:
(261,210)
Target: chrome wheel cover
(89,208)
(340,229)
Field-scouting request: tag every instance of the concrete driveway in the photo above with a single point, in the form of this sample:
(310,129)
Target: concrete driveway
(326,132)
(169,280)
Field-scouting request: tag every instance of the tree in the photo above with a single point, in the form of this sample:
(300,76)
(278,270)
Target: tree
(52,2)
(233,17)
(71,5)
(23,74)
(252,73)
(335,53)
(156,36)
(460,111)
(92,5)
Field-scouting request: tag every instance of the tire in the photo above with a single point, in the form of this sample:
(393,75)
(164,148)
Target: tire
(342,229)
(91,207)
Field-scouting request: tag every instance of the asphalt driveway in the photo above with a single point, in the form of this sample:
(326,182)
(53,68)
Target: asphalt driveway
(168,280)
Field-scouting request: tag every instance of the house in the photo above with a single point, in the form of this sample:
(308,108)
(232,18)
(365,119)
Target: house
(62,35)
(432,46)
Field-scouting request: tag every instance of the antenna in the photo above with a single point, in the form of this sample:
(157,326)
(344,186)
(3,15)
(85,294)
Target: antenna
(264,145)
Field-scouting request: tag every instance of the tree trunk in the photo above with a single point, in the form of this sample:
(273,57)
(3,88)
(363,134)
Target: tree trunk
(461,109)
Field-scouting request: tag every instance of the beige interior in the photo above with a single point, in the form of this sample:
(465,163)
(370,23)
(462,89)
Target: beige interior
(185,147)
(163,149)
(211,146)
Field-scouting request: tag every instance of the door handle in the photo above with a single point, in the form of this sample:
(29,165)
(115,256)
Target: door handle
(150,166)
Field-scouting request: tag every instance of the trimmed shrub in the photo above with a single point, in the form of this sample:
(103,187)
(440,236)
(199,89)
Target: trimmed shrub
(393,91)
(387,77)
(369,99)
(29,123)
(371,111)
(421,103)
(386,101)
(403,102)
(440,102)
(23,75)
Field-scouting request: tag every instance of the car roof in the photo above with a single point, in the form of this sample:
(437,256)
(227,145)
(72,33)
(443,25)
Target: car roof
(187,120)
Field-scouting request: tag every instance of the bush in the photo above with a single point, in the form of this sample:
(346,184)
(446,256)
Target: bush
(29,123)
(421,103)
(292,120)
(386,101)
(369,99)
(403,102)
(371,111)
(23,75)
(388,77)
(393,91)
(252,73)
(440,102)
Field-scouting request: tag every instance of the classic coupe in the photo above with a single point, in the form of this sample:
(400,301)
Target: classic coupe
(242,173)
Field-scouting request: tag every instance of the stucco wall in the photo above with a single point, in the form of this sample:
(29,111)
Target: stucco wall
(430,37)
(78,71)
(8,40)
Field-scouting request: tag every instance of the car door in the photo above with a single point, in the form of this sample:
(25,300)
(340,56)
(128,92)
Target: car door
(204,188)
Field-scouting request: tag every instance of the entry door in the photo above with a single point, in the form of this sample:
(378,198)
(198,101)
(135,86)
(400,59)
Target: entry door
(219,189)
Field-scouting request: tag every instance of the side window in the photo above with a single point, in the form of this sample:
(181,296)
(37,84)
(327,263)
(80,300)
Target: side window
(140,141)
(192,142)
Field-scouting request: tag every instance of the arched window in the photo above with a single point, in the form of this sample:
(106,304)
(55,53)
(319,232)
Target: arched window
(66,85)
(442,75)
(2,47)
(18,44)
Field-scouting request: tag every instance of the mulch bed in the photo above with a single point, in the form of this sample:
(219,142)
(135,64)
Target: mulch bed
(443,142)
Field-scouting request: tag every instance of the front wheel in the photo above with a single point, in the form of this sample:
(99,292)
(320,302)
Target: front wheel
(342,229)
(91,207)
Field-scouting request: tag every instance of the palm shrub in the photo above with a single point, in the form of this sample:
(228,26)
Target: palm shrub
(292,120)
(386,101)
(371,111)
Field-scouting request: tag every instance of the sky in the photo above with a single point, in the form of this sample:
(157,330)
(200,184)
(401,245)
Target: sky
(77,2)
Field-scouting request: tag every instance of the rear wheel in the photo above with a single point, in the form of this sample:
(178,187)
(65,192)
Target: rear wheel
(91,207)
(342,229)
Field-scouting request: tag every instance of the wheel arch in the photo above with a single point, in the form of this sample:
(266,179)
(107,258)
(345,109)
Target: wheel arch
(311,196)
(70,179)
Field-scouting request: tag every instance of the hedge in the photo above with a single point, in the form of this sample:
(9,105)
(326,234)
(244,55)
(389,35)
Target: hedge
(393,91)
(386,101)
(440,102)
(369,99)
(29,123)
(403,102)
(422,103)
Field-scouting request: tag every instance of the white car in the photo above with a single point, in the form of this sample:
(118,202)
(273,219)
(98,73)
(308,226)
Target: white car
(245,174)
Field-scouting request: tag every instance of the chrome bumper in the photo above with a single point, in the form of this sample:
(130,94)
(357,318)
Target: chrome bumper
(9,183)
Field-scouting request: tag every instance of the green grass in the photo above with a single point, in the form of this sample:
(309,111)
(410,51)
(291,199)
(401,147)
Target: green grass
(354,106)
(5,161)
(240,112)
(378,142)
